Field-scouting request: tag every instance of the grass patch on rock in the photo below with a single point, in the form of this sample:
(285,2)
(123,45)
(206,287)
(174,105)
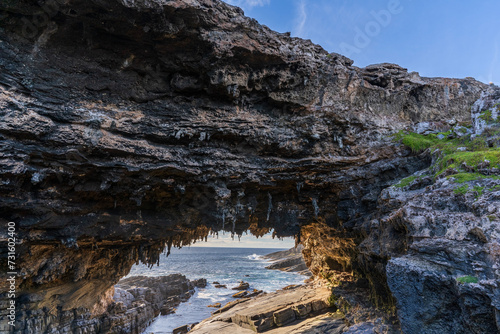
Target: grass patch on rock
(467,279)
(479,191)
(406,181)
(462,190)
(471,160)
(463,154)
(466,177)
(487,116)
(415,141)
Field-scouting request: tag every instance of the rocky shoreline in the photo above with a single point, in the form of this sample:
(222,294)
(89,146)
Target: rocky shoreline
(290,260)
(318,306)
(311,308)
(134,303)
(305,309)
(265,312)
(140,299)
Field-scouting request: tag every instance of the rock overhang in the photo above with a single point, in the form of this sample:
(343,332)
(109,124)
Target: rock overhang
(200,134)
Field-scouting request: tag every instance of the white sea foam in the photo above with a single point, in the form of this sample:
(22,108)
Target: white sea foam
(226,266)
(254,257)
(212,296)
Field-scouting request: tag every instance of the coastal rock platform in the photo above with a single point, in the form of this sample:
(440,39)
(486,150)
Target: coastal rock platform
(284,311)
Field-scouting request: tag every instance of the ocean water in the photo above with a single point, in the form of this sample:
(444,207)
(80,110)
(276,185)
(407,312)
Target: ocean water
(224,265)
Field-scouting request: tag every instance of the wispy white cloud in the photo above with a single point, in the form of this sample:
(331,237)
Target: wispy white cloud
(249,4)
(300,21)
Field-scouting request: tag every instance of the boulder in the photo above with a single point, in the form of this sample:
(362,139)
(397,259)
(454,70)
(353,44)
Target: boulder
(302,310)
(181,330)
(240,294)
(242,286)
(216,305)
(200,283)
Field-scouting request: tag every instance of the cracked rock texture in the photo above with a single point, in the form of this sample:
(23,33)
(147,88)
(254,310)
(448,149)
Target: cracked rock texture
(132,305)
(291,260)
(449,236)
(128,125)
(269,312)
(138,300)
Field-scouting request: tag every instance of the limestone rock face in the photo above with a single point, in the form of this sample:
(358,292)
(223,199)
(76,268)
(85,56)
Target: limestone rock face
(443,270)
(139,299)
(485,112)
(128,125)
(128,307)
(450,237)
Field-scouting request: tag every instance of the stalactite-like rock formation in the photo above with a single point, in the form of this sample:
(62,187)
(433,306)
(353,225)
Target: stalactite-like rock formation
(126,125)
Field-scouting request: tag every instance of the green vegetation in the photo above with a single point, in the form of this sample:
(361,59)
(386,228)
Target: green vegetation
(479,191)
(487,157)
(417,142)
(466,177)
(467,279)
(478,144)
(492,218)
(406,181)
(332,301)
(486,116)
(462,190)
(464,154)
(333,281)
(339,303)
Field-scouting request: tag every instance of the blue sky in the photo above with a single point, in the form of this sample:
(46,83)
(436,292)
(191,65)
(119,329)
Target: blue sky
(448,38)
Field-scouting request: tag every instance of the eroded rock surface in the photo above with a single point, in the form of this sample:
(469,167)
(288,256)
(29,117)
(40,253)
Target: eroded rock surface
(290,260)
(449,236)
(138,300)
(268,311)
(309,309)
(443,272)
(126,125)
(128,307)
